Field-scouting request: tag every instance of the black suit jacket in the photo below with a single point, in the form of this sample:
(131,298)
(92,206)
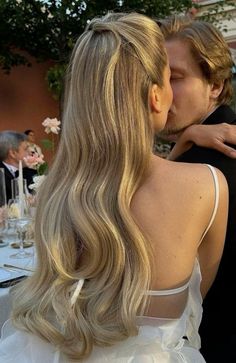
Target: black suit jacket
(219,307)
(27,174)
(8,178)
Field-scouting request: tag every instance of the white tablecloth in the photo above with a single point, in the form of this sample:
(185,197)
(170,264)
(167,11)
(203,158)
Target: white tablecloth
(5,298)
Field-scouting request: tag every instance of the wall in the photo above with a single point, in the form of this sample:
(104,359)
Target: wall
(226,17)
(25,100)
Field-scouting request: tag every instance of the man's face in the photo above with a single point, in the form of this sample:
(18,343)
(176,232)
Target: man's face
(21,152)
(14,156)
(191,92)
(31,137)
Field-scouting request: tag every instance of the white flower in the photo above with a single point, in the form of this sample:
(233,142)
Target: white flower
(51,125)
(38,179)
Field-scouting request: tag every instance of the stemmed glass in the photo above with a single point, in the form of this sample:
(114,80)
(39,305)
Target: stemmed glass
(20,216)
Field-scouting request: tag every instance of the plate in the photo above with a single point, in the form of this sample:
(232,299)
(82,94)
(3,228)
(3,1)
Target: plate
(3,244)
(25,244)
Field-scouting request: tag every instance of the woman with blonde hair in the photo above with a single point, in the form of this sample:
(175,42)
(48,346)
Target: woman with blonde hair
(123,237)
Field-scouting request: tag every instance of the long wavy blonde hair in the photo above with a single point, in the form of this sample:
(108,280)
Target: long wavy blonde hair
(85,228)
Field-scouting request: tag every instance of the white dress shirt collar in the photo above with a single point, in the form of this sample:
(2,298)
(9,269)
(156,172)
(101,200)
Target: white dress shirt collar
(11,168)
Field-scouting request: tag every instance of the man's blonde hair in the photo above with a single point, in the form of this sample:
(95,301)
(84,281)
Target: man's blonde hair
(208,47)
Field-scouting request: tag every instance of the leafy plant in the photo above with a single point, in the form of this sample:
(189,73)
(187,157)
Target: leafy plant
(47,30)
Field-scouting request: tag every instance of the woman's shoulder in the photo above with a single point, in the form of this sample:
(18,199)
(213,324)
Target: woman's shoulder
(190,176)
(177,190)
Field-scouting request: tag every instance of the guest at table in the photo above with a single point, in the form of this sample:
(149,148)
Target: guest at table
(127,242)
(13,148)
(33,148)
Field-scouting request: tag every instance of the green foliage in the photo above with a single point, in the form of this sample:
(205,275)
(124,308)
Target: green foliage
(42,169)
(47,144)
(216,13)
(55,77)
(47,30)
(159,8)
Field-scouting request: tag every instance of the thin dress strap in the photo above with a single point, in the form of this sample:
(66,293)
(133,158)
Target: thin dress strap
(168,292)
(216,182)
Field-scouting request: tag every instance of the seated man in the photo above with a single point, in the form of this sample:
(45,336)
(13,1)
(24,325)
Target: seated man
(13,148)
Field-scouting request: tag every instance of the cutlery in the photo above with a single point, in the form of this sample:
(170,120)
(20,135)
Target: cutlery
(17,267)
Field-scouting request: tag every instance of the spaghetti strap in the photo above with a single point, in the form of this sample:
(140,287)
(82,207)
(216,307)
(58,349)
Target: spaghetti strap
(167,292)
(216,183)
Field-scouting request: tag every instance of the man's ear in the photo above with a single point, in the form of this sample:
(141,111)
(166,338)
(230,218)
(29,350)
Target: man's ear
(12,153)
(155,99)
(216,89)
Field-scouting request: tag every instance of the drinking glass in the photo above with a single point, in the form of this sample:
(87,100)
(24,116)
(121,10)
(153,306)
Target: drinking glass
(3,199)
(3,206)
(22,219)
(15,188)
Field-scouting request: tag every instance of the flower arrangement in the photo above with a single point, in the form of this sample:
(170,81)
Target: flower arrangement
(51,127)
(37,181)
(36,161)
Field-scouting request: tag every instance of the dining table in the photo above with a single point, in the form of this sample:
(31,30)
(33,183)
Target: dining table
(11,268)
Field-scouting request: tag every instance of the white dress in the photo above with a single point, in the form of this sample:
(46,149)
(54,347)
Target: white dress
(159,340)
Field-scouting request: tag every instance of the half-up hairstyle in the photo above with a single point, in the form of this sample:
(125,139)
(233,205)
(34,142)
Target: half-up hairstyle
(85,230)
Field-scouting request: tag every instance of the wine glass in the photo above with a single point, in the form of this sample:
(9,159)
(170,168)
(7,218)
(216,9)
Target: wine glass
(19,215)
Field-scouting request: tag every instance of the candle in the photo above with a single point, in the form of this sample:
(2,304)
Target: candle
(21,192)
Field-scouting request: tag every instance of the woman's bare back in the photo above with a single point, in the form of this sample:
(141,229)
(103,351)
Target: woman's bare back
(173,208)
